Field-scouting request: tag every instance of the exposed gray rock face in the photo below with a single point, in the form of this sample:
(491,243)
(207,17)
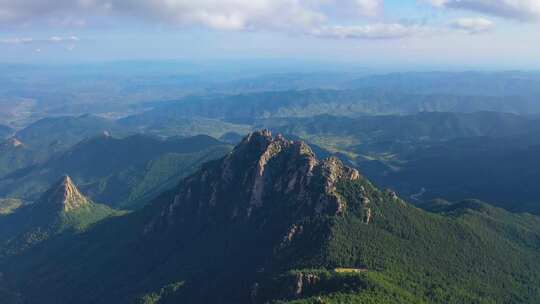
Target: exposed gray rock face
(66,195)
(264,173)
(367,214)
(291,234)
(14,142)
(304,281)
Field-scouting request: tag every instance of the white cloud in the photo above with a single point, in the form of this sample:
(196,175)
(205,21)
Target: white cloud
(63,39)
(373,31)
(370,7)
(523,10)
(50,40)
(16,41)
(312,17)
(473,25)
(220,14)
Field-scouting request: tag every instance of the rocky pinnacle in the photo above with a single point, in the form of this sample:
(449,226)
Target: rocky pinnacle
(66,195)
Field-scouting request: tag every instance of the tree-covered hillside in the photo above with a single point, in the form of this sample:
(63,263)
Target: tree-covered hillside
(492,84)
(486,155)
(58,133)
(243,108)
(8,205)
(5,132)
(125,172)
(61,209)
(271,223)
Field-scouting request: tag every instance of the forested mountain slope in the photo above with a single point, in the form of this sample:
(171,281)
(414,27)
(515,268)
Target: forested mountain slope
(122,172)
(270,222)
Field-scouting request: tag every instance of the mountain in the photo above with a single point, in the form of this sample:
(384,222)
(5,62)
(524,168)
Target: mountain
(58,133)
(231,137)
(124,172)
(165,124)
(425,126)
(242,109)
(47,137)
(270,223)
(501,170)
(8,206)
(16,155)
(523,84)
(485,155)
(62,208)
(5,132)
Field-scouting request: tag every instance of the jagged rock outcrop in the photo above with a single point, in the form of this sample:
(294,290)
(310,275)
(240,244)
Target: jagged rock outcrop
(65,194)
(62,208)
(12,143)
(268,223)
(303,281)
(294,231)
(268,205)
(262,174)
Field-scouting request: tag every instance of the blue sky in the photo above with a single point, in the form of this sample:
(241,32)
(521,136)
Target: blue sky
(502,34)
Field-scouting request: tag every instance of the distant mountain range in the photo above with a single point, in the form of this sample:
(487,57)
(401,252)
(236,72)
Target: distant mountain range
(48,137)
(244,108)
(15,155)
(492,84)
(168,124)
(41,140)
(485,155)
(122,172)
(425,126)
(57,133)
(296,218)
(421,153)
(502,171)
(271,223)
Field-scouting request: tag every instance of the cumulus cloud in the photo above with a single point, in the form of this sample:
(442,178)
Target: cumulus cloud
(220,14)
(312,17)
(370,7)
(473,25)
(523,10)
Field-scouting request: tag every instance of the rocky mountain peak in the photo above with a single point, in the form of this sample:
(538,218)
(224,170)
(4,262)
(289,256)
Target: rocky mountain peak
(13,142)
(264,174)
(65,194)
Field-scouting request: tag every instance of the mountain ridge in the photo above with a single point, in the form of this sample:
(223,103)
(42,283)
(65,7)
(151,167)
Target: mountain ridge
(118,171)
(287,169)
(233,232)
(63,208)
